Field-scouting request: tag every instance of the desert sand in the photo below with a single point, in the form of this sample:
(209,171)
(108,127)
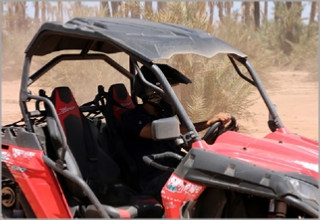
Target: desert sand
(296,99)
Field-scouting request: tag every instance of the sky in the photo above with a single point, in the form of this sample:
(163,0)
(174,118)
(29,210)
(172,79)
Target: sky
(237,5)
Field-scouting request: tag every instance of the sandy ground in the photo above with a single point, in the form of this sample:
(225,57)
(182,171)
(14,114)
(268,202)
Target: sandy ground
(295,97)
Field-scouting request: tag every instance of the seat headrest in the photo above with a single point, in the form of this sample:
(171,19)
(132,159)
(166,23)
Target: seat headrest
(121,97)
(64,103)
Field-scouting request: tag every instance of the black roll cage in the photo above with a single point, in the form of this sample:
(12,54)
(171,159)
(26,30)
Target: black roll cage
(134,68)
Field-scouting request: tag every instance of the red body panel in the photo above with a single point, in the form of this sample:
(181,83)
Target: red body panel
(37,182)
(176,192)
(287,137)
(278,151)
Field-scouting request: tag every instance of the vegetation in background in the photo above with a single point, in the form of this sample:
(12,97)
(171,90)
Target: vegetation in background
(13,46)
(284,42)
(83,77)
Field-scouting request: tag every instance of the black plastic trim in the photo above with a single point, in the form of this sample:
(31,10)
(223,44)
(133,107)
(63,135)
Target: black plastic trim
(22,138)
(216,170)
(27,139)
(302,206)
(28,211)
(5,172)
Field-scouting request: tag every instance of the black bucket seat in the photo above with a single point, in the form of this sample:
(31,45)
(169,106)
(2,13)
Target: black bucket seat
(85,159)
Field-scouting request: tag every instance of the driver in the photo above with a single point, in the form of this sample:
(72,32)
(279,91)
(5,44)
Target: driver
(136,128)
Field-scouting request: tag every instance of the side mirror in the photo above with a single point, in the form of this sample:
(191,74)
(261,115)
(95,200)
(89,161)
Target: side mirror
(165,128)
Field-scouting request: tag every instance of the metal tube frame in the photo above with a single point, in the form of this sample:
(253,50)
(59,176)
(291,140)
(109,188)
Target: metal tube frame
(80,182)
(301,206)
(26,96)
(255,81)
(264,95)
(65,57)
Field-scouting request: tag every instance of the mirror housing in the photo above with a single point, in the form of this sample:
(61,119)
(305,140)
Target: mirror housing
(272,125)
(165,128)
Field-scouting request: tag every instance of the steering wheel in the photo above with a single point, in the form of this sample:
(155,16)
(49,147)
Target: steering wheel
(217,129)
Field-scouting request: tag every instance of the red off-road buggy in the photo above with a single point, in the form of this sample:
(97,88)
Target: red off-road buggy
(66,161)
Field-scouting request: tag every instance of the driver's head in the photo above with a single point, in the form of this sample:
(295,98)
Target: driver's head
(148,94)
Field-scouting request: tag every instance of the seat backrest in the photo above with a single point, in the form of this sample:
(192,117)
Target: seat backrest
(84,157)
(119,101)
(92,162)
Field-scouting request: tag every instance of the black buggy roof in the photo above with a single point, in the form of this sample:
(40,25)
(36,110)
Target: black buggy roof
(144,39)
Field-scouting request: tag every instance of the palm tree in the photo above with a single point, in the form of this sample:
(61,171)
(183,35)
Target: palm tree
(277,6)
(59,11)
(21,12)
(115,7)
(265,15)
(257,15)
(289,32)
(104,5)
(50,11)
(220,10)
(148,6)
(10,14)
(135,10)
(288,23)
(211,9)
(161,6)
(246,13)
(228,6)
(36,14)
(43,11)
(201,8)
(78,4)
(299,6)
(313,12)
(289,4)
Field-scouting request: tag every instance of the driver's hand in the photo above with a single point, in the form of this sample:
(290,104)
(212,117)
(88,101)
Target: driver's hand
(223,117)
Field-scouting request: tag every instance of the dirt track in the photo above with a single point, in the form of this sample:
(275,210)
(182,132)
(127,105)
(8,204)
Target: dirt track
(295,97)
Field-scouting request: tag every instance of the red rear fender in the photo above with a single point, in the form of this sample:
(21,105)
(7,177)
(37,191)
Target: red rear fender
(37,182)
